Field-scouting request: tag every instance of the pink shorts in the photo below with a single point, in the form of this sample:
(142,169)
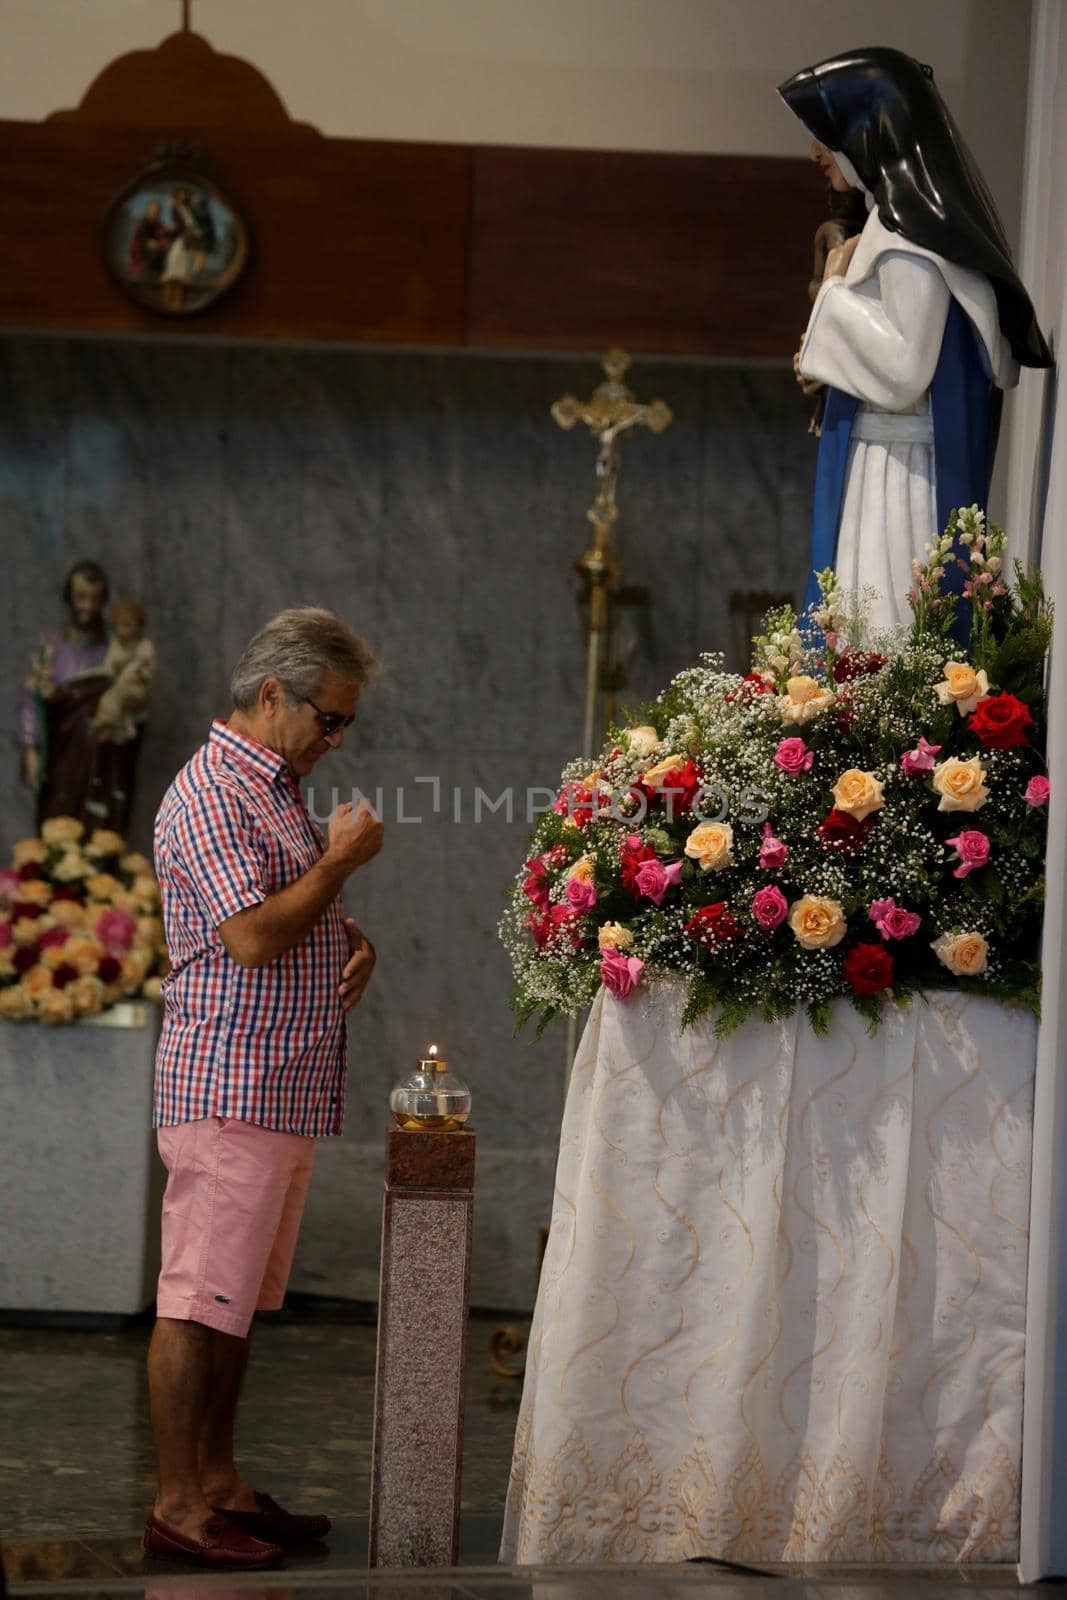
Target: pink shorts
(231,1214)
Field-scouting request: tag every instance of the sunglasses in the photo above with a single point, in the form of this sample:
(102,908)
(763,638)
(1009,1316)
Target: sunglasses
(331,720)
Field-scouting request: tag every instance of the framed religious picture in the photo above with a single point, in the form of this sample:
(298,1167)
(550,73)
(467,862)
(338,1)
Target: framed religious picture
(172,240)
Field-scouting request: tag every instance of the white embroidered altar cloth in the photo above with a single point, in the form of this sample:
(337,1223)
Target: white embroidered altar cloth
(781,1313)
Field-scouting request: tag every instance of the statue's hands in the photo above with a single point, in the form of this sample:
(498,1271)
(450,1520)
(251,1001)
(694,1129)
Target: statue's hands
(838,259)
(808,386)
(31,767)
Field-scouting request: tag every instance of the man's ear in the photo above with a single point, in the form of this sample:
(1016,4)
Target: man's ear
(272,696)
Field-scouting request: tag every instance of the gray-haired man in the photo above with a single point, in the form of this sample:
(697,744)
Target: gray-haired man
(251,1062)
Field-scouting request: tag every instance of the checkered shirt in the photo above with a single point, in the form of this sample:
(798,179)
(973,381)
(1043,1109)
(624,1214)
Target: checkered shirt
(264,1044)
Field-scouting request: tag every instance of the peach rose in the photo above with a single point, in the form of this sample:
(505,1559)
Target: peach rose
(642,741)
(858,793)
(67,913)
(817,922)
(105,842)
(26,930)
(15,1003)
(136,965)
(657,775)
(150,931)
(71,867)
(613,936)
(136,865)
(62,830)
(961,784)
(28,850)
(152,988)
(711,844)
(87,994)
(37,980)
(961,687)
(55,1005)
(102,885)
(804,699)
(965,954)
(83,953)
(53,956)
(37,891)
(7,962)
(584,869)
(145,892)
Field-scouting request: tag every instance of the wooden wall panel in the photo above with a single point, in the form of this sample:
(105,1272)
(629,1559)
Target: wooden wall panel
(432,244)
(351,239)
(682,254)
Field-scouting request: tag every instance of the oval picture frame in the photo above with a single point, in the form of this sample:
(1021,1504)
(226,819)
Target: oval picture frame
(173,240)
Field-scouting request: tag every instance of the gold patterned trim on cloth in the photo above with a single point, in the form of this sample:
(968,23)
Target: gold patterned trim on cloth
(642,1510)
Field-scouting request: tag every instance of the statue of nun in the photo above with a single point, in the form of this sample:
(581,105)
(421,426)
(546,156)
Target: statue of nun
(920,324)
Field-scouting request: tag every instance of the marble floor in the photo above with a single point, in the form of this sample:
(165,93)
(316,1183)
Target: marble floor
(76,1479)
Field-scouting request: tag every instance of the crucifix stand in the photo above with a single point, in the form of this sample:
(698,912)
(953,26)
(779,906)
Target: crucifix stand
(610,412)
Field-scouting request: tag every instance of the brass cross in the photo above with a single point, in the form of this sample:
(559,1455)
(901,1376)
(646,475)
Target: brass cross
(608,414)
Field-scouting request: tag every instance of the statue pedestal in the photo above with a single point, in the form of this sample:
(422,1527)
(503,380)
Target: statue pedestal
(422,1349)
(80,1179)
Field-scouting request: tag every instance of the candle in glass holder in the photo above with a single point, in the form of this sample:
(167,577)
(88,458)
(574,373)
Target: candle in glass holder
(431,1097)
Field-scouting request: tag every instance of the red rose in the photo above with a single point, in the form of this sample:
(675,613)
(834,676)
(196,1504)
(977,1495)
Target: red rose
(576,803)
(868,968)
(713,925)
(852,664)
(109,970)
(25,908)
(998,721)
(632,857)
(63,975)
(750,688)
(67,891)
(24,958)
(31,870)
(679,786)
(840,831)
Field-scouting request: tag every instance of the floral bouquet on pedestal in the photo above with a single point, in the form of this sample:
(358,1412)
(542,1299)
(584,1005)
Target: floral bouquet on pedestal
(855,817)
(79,925)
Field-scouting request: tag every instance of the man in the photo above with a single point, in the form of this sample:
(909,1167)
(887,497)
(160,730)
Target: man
(251,1062)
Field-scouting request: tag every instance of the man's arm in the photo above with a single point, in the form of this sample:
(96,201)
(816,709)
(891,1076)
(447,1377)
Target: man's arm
(283,920)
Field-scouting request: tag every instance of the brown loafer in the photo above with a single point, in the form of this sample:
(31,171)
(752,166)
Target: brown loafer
(221,1544)
(271,1521)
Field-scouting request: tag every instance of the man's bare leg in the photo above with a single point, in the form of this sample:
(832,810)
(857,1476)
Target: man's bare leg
(222,1484)
(179,1377)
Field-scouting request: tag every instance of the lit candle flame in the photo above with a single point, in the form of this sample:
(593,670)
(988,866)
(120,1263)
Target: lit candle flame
(433,1050)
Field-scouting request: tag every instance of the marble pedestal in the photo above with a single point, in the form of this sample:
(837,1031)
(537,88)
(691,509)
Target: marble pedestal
(422,1349)
(80,1179)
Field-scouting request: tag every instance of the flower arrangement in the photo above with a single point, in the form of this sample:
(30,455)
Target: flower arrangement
(79,925)
(860,817)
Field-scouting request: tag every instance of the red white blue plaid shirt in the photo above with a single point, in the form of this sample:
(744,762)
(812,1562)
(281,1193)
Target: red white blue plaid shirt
(264,1044)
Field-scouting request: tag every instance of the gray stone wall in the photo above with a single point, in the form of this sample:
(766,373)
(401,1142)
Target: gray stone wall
(431,500)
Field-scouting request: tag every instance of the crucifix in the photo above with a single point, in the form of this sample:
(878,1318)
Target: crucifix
(610,412)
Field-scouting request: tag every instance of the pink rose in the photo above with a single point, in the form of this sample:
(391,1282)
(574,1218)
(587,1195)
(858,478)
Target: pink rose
(115,930)
(653,879)
(972,850)
(6,935)
(1036,792)
(621,974)
(892,921)
(581,896)
(793,756)
(770,907)
(921,759)
(51,936)
(772,852)
(9,884)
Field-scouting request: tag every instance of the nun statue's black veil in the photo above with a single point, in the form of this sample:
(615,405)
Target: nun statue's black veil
(882,110)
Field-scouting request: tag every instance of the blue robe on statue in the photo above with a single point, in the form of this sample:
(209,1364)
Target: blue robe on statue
(965,406)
